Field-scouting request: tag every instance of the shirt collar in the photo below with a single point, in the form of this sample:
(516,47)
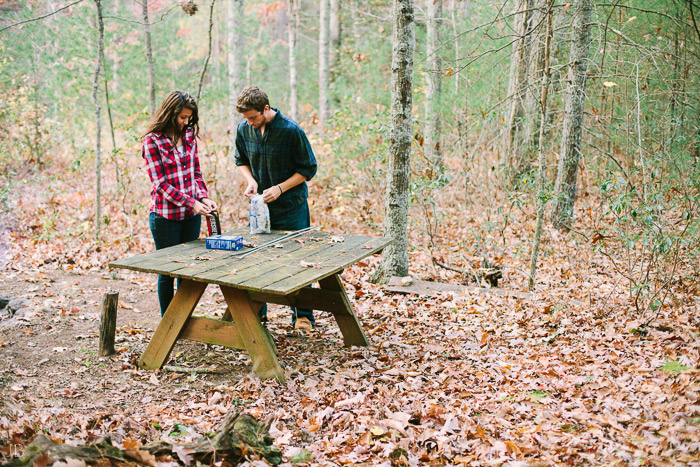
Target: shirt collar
(275,119)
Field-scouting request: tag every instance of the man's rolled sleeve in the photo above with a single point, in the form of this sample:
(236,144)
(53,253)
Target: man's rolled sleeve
(303,155)
(240,155)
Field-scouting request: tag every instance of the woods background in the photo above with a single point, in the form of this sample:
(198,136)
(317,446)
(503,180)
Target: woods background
(616,128)
(554,146)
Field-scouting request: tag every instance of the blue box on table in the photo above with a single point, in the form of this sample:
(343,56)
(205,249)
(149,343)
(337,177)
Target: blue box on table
(224,242)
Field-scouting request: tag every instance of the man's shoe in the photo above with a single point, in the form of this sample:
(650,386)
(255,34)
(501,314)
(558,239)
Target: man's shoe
(303,324)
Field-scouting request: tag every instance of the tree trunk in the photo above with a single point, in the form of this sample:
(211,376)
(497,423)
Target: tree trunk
(565,187)
(516,82)
(542,174)
(355,8)
(115,160)
(462,111)
(529,146)
(395,259)
(206,60)
(98,123)
(149,55)
(235,64)
(456,38)
(433,85)
(323,75)
(36,150)
(292,27)
(334,33)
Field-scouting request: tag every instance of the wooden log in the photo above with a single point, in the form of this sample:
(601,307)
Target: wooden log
(108,323)
(240,436)
(419,287)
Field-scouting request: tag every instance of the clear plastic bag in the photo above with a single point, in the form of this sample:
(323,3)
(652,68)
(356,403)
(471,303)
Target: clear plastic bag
(259,218)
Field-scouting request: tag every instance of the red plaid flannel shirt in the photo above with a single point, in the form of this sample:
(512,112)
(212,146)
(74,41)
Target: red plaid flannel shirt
(177,181)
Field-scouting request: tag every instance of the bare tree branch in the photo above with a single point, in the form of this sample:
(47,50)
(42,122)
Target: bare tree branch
(206,61)
(38,18)
(692,15)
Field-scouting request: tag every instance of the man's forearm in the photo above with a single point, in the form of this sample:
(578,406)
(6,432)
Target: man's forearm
(291,182)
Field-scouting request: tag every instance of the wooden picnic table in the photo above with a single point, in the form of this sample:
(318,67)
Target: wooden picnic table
(278,274)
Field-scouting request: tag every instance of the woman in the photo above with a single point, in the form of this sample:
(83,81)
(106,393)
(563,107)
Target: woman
(179,195)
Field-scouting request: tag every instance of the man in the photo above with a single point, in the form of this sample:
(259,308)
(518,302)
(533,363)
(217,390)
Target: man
(275,158)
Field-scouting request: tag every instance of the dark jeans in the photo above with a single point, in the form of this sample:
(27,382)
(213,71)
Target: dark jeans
(294,219)
(168,233)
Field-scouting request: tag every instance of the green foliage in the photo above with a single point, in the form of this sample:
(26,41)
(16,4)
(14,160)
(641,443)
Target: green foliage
(302,457)
(674,367)
(537,395)
(654,228)
(178,431)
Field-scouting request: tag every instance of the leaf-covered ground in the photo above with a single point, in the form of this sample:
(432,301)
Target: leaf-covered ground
(567,377)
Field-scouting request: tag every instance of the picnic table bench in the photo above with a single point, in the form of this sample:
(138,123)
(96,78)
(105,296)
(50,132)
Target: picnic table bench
(277,274)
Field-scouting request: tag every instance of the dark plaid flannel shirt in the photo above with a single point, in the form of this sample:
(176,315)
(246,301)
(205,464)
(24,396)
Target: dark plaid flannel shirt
(273,157)
(177,181)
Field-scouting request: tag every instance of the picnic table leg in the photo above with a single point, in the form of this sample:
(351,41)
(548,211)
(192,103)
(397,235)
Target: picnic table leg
(179,311)
(344,315)
(228,317)
(256,338)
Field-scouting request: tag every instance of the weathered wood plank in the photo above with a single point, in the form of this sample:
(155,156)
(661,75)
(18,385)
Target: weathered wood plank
(213,331)
(328,253)
(222,274)
(223,269)
(420,287)
(256,338)
(260,264)
(155,260)
(306,276)
(231,263)
(177,314)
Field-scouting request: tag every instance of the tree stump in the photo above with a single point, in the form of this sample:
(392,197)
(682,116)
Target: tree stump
(108,323)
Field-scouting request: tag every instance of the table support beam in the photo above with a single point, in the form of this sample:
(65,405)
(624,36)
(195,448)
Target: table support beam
(213,331)
(180,309)
(313,299)
(256,338)
(343,313)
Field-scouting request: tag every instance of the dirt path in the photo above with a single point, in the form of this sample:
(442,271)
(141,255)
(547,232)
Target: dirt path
(50,365)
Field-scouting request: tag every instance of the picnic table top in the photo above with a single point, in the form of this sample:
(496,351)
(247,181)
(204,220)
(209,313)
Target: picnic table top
(281,268)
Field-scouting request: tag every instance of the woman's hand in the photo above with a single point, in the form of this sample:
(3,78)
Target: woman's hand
(251,189)
(200,208)
(272,193)
(209,203)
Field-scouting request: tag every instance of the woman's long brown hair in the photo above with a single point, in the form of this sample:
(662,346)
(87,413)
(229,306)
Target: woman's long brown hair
(165,119)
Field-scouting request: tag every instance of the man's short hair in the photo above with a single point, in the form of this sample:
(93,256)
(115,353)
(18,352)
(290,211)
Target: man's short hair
(251,98)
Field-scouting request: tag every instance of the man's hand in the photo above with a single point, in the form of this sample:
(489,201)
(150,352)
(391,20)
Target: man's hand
(272,193)
(208,203)
(200,208)
(251,189)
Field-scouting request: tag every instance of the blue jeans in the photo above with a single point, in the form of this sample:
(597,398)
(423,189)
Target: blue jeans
(168,233)
(291,219)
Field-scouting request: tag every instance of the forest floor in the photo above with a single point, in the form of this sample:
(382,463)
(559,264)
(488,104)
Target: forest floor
(565,377)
